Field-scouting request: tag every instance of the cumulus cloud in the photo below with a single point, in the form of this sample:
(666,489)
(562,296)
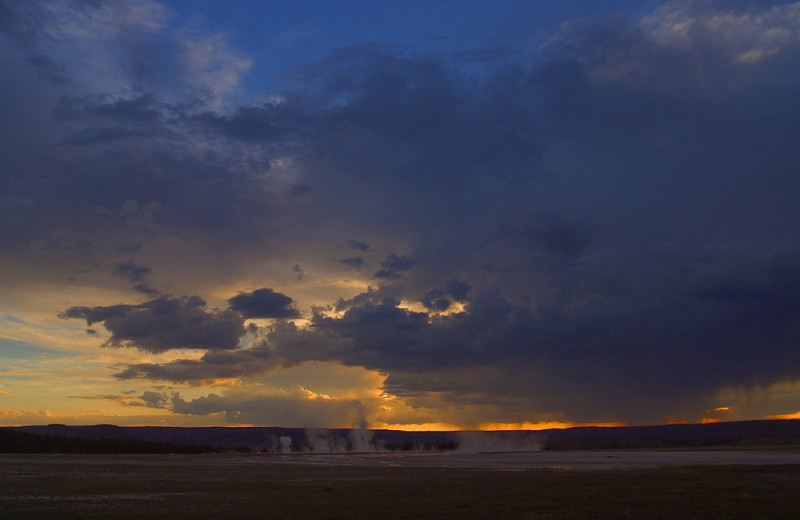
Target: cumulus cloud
(164,324)
(154,399)
(264,303)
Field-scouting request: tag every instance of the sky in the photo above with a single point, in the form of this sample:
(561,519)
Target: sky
(412,215)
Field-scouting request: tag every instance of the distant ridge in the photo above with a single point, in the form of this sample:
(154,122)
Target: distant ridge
(735,433)
(160,439)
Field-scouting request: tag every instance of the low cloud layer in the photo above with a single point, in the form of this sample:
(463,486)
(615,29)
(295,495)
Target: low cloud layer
(598,361)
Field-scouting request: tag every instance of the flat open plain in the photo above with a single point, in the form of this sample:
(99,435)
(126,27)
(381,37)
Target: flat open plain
(562,460)
(548,485)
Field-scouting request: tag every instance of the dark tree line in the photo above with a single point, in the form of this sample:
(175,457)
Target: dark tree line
(22,442)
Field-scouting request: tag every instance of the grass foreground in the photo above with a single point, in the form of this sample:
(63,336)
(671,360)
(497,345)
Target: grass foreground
(219,487)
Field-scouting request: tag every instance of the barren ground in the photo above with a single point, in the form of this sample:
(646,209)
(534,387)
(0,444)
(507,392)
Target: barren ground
(541,485)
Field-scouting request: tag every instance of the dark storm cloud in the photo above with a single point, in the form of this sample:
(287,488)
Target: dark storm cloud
(356,244)
(398,263)
(94,315)
(378,334)
(145,289)
(458,289)
(94,136)
(657,157)
(48,68)
(355,262)
(213,365)
(268,122)
(300,190)
(164,324)
(264,303)
(82,246)
(372,295)
(393,266)
(299,270)
(145,150)
(140,145)
(211,403)
(612,360)
(127,162)
(670,182)
(141,109)
(132,271)
(136,274)
(385,274)
(410,130)
(559,236)
(435,300)
(599,360)
(21,21)
(439,300)
(154,399)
